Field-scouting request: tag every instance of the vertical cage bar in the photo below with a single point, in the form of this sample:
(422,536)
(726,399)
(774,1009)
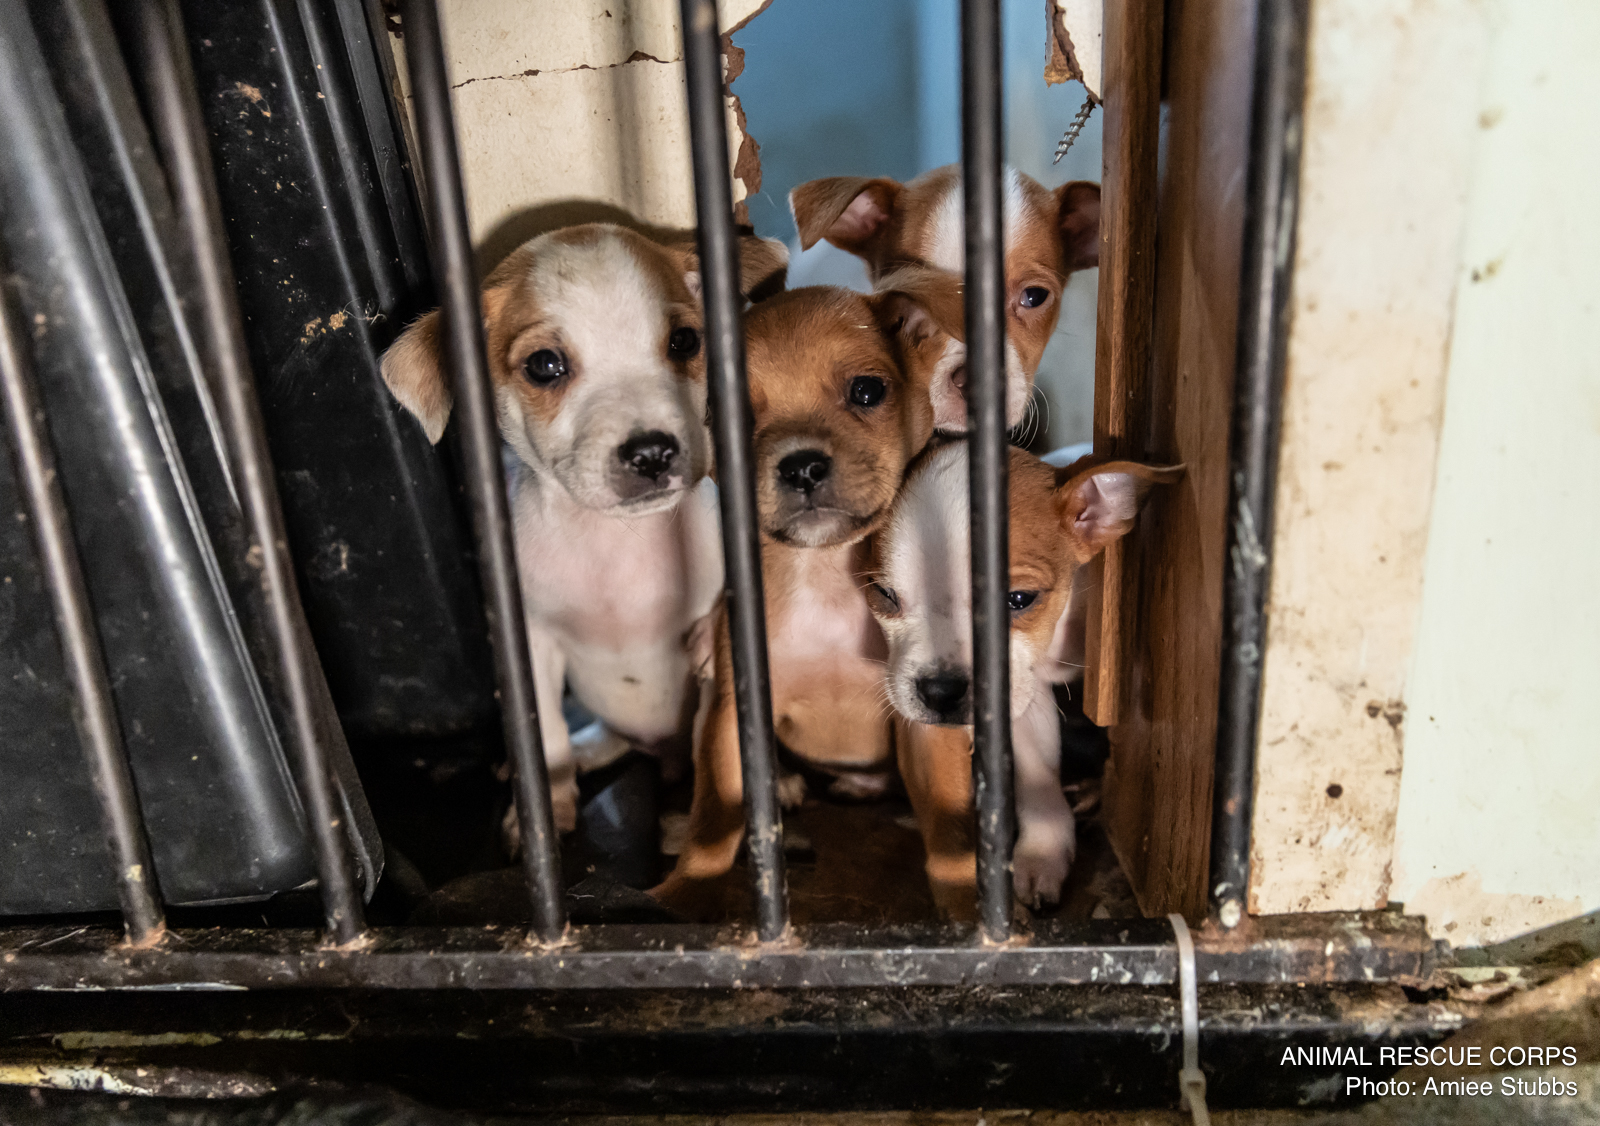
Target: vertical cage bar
(1272,193)
(986,412)
(93,708)
(731,427)
(450,247)
(163,55)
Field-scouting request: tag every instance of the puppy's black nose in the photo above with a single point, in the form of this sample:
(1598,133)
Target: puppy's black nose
(649,454)
(944,694)
(805,470)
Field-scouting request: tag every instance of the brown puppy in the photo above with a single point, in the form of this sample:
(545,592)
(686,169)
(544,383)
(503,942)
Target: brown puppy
(837,420)
(889,225)
(921,594)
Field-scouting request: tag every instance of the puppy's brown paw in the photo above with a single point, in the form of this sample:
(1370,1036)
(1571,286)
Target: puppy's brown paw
(563,807)
(699,901)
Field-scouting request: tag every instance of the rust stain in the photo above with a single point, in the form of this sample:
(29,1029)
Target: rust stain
(253,95)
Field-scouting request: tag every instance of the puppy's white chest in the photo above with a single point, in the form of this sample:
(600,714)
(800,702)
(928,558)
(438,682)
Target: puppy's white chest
(827,621)
(611,582)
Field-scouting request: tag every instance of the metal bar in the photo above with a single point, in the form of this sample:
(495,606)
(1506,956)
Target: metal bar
(450,248)
(731,427)
(1272,192)
(175,120)
(1135,953)
(986,411)
(94,711)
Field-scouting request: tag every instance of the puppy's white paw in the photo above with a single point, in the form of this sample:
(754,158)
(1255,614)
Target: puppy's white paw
(597,746)
(564,804)
(1039,867)
(511,832)
(791,791)
(862,787)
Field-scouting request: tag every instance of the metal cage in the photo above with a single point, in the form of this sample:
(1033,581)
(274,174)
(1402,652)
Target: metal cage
(591,964)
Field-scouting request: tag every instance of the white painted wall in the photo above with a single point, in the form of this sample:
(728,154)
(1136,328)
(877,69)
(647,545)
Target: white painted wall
(1499,815)
(1390,125)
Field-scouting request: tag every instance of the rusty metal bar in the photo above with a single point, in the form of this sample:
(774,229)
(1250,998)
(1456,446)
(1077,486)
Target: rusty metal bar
(1134,953)
(731,427)
(450,247)
(1267,270)
(982,133)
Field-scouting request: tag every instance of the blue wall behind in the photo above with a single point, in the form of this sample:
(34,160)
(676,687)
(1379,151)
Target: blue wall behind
(873,88)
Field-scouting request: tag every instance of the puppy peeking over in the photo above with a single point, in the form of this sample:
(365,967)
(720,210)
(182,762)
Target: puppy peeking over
(921,594)
(593,337)
(889,225)
(837,420)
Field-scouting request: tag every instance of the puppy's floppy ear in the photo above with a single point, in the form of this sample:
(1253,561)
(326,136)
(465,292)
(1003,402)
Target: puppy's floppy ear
(1097,505)
(919,310)
(414,370)
(763,267)
(849,211)
(1078,215)
(917,303)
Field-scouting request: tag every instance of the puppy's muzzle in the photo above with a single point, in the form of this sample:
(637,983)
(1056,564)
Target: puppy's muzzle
(645,463)
(947,696)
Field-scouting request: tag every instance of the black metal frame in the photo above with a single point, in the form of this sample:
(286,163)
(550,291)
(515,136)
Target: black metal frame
(1359,949)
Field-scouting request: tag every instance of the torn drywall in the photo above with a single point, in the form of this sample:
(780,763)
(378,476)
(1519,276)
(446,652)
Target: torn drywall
(1074,32)
(576,111)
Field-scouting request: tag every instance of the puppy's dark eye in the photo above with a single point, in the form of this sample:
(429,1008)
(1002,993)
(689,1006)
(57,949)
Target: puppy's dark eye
(1020,600)
(1034,296)
(882,600)
(683,343)
(867,390)
(546,366)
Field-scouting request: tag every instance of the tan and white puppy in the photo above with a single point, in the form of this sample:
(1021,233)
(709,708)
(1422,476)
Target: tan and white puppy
(889,225)
(593,339)
(921,593)
(837,420)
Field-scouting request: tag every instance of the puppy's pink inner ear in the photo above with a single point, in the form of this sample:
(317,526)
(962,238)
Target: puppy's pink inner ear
(1100,509)
(860,221)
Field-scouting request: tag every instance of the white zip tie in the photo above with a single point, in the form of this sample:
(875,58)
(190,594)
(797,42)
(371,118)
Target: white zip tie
(1191,1080)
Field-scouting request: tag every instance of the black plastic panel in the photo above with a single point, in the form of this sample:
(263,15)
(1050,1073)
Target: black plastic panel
(223,817)
(328,254)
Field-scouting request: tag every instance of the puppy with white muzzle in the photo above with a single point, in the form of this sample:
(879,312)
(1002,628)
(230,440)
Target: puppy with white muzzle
(921,594)
(593,337)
